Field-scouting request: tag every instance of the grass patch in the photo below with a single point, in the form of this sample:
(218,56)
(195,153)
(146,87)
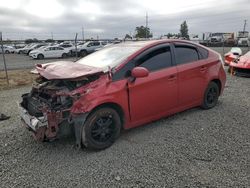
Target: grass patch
(17,78)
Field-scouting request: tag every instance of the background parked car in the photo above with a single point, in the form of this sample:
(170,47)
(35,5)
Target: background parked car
(68,47)
(21,50)
(88,47)
(7,49)
(49,52)
(30,48)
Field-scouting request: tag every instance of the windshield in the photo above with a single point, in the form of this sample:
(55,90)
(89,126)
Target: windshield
(111,56)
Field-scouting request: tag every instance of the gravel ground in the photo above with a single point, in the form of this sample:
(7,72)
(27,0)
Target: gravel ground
(21,61)
(195,148)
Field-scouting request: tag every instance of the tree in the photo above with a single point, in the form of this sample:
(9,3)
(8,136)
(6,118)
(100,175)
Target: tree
(28,41)
(49,40)
(127,36)
(143,32)
(184,30)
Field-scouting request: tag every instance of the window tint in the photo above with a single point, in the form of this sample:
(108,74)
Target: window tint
(203,53)
(186,54)
(96,44)
(157,59)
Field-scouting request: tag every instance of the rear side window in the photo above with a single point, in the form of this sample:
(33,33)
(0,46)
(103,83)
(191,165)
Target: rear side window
(203,53)
(186,54)
(156,60)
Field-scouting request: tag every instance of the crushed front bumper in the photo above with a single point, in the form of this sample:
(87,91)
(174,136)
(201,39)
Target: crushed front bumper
(36,125)
(46,127)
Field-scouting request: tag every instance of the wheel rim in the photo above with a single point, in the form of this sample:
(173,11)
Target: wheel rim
(103,129)
(212,95)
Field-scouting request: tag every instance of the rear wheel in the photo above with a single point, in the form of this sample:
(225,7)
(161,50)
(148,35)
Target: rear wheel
(7,51)
(84,53)
(64,55)
(40,56)
(101,128)
(211,96)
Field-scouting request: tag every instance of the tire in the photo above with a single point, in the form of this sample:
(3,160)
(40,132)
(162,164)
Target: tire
(7,51)
(211,96)
(64,55)
(101,129)
(83,53)
(40,56)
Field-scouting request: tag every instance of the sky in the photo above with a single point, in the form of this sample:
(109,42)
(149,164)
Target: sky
(62,19)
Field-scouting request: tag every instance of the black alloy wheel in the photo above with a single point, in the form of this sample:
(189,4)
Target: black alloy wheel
(101,128)
(211,96)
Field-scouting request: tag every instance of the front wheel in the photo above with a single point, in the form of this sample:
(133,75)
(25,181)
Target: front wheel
(101,128)
(211,96)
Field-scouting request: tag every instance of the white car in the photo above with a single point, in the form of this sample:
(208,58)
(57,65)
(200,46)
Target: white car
(89,47)
(49,52)
(68,47)
(7,49)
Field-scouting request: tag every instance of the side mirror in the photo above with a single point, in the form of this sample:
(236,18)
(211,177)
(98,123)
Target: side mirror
(139,72)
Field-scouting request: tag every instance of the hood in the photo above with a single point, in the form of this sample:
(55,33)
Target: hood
(65,70)
(34,51)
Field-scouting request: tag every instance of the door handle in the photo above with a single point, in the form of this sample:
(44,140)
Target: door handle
(203,68)
(172,77)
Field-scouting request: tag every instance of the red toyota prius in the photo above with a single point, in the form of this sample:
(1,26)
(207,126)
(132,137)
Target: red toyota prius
(120,87)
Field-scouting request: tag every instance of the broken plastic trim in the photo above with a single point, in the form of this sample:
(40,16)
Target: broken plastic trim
(79,120)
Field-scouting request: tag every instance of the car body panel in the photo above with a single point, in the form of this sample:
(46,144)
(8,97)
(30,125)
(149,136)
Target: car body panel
(57,70)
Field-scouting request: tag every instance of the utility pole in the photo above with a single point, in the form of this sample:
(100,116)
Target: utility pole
(52,36)
(82,33)
(244,27)
(146,25)
(76,45)
(4,61)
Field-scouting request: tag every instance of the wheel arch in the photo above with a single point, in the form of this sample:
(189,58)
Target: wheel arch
(114,106)
(218,82)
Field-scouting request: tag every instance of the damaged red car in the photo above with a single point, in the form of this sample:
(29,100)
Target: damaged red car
(239,65)
(120,87)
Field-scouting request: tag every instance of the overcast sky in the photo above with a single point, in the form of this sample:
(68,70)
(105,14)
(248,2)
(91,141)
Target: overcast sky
(20,19)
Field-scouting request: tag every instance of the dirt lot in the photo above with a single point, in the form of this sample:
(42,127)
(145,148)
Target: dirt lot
(195,148)
(17,78)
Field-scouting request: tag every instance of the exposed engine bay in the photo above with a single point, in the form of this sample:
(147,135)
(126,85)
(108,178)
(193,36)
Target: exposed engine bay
(48,105)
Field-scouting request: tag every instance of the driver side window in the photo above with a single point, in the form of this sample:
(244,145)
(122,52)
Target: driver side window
(156,60)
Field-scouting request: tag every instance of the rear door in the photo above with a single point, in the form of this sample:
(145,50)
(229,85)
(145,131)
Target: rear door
(192,71)
(59,51)
(156,94)
(48,52)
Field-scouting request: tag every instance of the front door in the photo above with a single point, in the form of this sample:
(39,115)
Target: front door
(156,94)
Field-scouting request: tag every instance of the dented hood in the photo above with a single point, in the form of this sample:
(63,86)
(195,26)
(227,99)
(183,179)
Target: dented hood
(65,70)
